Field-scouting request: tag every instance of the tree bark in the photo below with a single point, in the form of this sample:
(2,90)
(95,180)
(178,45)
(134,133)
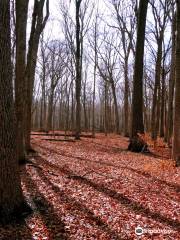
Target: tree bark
(169,128)
(94,78)
(84,104)
(78,73)
(11,197)
(50,110)
(21,23)
(155,105)
(162,103)
(126,102)
(115,105)
(137,98)
(176,128)
(38,24)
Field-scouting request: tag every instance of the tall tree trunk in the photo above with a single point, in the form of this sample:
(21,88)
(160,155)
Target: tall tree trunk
(84,103)
(50,110)
(105,109)
(162,103)
(94,80)
(126,103)
(38,24)
(115,105)
(41,115)
(43,99)
(21,23)
(93,101)
(146,120)
(137,98)
(72,106)
(11,197)
(78,73)
(176,128)
(169,128)
(154,117)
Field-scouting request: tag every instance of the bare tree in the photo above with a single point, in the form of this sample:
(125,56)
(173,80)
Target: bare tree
(107,57)
(160,14)
(37,26)
(137,99)
(56,71)
(126,20)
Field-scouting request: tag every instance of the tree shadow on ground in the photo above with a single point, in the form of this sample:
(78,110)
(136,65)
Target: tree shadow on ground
(58,140)
(109,149)
(15,231)
(121,198)
(78,206)
(52,221)
(15,227)
(154,155)
(175,187)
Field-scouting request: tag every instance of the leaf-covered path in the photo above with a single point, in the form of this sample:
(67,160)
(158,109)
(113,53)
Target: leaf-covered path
(96,189)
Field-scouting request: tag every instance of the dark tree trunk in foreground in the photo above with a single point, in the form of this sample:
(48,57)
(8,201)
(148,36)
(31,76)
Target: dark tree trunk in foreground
(78,72)
(176,128)
(21,23)
(11,197)
(137,144)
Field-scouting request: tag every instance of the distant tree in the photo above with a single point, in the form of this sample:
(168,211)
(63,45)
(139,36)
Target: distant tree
(106,65)
(176,128)
(55,69)
(94,74)
(126,25)
(43,62)
(11,197)
(137,99)
(161,9)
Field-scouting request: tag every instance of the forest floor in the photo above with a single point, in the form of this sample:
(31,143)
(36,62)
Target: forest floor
(96,189)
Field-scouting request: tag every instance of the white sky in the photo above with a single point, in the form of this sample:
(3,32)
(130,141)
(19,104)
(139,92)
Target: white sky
(53,27)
